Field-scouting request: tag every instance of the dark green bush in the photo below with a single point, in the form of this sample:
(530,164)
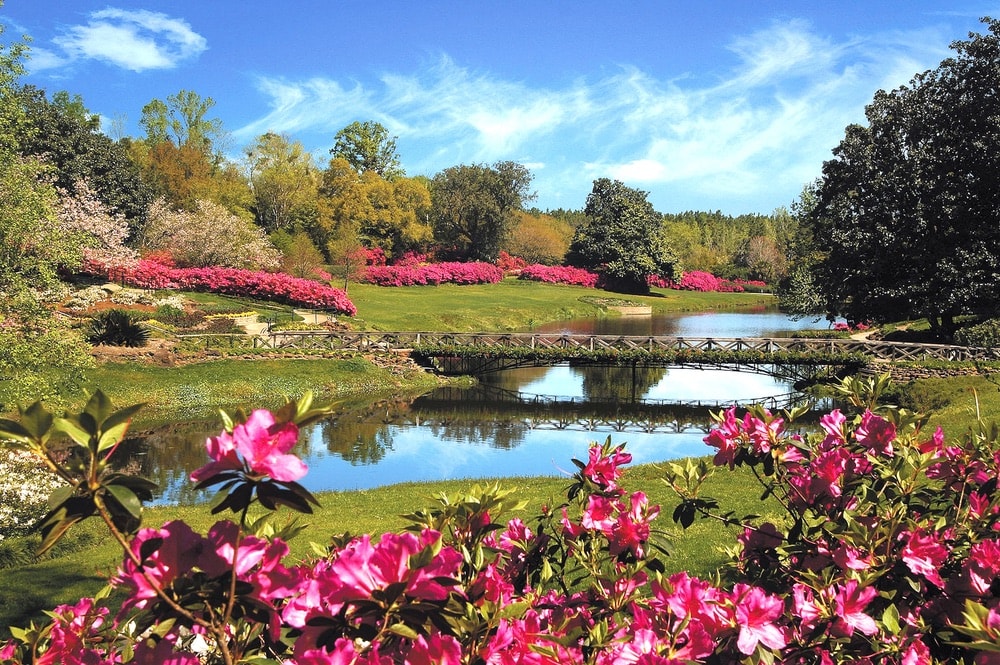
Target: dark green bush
(116,327)
(986,333)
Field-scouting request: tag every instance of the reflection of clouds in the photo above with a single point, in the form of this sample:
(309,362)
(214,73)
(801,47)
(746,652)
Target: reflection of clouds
(696,384)
(418,456)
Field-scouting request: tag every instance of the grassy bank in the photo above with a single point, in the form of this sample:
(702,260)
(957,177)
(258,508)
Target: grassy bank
(199,389)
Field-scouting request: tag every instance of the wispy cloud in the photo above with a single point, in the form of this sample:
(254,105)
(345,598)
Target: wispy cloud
(766,124)
(136,40)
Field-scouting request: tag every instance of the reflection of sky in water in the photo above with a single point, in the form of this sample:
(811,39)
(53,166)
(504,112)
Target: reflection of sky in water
(419,453)
(416,456)
(681,383)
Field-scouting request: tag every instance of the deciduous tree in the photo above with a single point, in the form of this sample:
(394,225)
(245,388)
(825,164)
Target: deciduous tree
(210,235)
(475,206)
(367,146)
(284,181)
(622,239)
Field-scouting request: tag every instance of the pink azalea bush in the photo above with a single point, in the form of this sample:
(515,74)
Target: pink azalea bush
(888,552)
(698,280)
(473,272)
(150,273)
(559,275)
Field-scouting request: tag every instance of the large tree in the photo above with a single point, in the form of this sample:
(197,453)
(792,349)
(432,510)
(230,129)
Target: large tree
(367,146)
(475,206)
(284,180)
(67,137)
(389,214)
(908,213)
(622,238)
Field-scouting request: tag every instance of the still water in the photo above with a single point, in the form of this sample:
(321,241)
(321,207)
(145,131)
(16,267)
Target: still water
(524,422)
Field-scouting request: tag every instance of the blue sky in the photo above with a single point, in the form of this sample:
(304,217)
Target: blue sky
(705,104)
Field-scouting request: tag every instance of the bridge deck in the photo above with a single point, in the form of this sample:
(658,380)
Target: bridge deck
(513,343)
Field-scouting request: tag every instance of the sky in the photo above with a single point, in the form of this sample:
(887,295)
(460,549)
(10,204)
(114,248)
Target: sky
(704,104)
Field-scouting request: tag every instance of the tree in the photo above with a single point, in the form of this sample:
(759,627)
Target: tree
(622,238)
(388,214)
(67,136)
(284,181)
(182,120)
(475,206)
(539,238)
(908,211)
(40,356)
(367,146)
(209,235)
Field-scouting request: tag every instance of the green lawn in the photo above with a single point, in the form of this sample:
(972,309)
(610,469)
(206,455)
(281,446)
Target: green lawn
(513,305)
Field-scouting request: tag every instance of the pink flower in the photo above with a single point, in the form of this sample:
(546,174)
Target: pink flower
(257,447)
(876,433)
(437,650)
(756,612)
(924,554)
(599,515)
(851,601)
(603,470)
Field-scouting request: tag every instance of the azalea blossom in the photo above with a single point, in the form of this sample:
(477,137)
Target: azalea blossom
(756,614)
(258,447)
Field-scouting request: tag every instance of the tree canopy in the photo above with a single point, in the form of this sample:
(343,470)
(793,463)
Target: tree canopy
(908,211)
(367,146)
(622,238)
(474,207)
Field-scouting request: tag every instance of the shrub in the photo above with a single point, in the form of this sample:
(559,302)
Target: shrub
(559,275)
(279,287)
(475,272)
(116,327)
(983,334)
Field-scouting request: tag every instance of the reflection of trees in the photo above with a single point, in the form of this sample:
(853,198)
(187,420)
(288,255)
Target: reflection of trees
(624,383)
(513,379)
(497,434)
(360,443)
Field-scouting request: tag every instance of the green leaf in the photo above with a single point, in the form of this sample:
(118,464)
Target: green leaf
(37,420)
(403,630)
(120,416)
(60,495)
(14,431)
(111,437)
(127,499)
(74,430)
(99,407)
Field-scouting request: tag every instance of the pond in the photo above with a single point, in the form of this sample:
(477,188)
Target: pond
(523,422)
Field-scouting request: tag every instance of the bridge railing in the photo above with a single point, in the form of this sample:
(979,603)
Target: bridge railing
(362,341)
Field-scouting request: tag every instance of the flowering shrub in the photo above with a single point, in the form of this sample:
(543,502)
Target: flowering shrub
(509,263)
(149,274)
(559,275)
(474,272)
(698,280)
(889,553)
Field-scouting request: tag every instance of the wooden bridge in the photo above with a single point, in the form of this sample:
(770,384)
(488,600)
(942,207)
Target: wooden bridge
(482,352)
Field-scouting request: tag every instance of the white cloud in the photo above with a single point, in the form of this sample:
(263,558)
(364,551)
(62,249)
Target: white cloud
(761,129)
(136,40)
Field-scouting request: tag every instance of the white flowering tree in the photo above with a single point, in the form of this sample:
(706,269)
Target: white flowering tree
(95,234)
(208,236)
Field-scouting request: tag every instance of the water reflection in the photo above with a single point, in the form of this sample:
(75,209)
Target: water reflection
(522,422)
